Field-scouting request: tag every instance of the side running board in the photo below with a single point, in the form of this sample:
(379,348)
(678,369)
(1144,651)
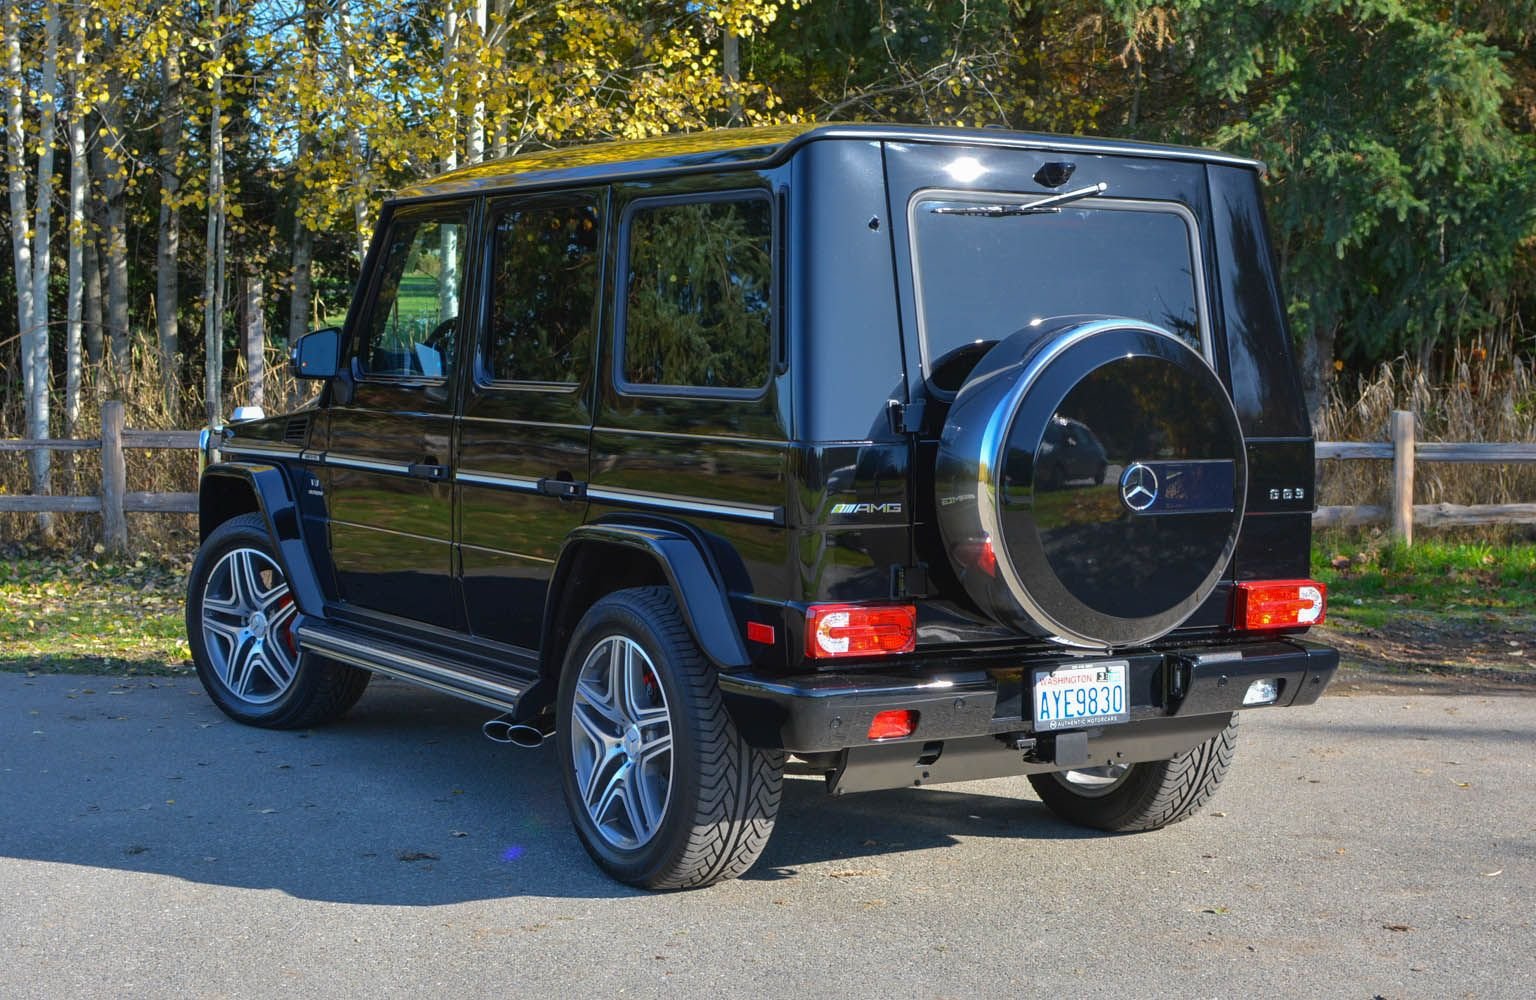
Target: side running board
(461,680)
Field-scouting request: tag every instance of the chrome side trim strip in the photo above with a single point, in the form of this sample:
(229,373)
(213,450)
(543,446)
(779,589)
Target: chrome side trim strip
(483,691)
(259,452)
(523,484)
(687,505)
(349,462)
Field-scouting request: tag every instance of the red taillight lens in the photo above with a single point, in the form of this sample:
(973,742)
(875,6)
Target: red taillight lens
(859,629)
(1280,604)
(893,725)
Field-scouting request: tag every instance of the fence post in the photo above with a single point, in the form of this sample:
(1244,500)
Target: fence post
(114,478)
(1402,475)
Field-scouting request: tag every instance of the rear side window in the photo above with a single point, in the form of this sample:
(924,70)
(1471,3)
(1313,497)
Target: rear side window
(414,319)
(698,294)
(544,275)
(981,278)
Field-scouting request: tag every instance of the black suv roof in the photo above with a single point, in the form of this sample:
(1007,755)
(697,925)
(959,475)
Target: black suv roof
(760,146)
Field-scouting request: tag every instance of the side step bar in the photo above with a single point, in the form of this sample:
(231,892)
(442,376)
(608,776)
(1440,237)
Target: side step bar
(418,667)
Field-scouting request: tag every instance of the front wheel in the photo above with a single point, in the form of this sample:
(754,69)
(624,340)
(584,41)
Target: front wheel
(663,791)
(240,618)
(1124,798)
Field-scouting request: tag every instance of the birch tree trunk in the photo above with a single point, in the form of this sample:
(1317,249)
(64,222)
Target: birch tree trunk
(213,272)
(255,338)
(79,181)
(114,191)
(16,172)
(91,292)
(168,243)
(37,365)
(354,135)
(301,288)
(477,118)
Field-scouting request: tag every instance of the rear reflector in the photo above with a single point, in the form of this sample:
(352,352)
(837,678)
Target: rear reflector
(1265,604)
(893,725)
(859,629)
(760,632)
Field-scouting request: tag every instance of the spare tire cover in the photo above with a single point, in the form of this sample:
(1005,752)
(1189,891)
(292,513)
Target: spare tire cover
(1091,479)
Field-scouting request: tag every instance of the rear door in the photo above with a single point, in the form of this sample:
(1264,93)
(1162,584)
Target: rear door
(391,424)
(522,465)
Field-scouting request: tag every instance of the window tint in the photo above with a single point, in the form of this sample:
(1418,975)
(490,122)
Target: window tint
(981,278)
(699,294)
(544,288)
(414,319)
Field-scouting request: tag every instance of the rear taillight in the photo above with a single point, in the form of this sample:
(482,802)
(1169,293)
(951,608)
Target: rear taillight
(859,629)
(1265,604)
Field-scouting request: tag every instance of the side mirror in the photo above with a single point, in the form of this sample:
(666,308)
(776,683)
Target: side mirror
(317,354)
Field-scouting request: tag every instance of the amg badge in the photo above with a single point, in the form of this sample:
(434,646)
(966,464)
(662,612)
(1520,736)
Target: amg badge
(892,507)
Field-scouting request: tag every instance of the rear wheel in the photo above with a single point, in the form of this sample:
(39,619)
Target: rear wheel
(1124,798)
(663,791)
(240,618)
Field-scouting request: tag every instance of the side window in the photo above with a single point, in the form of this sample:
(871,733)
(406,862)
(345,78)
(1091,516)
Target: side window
(415,315)
(698,294)
(543,292)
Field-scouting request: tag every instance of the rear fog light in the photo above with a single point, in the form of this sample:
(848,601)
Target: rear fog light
(893,725)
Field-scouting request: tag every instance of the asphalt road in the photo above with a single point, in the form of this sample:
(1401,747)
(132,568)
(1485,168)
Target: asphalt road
(1374,845)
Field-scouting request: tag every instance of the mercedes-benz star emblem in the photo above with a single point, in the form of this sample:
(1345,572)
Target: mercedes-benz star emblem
(1138,487)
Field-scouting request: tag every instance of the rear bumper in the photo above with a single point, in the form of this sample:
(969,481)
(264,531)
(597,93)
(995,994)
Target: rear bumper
(818,713)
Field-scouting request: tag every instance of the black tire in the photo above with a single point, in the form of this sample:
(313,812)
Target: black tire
(1147,796)
(698,812)
(252,668)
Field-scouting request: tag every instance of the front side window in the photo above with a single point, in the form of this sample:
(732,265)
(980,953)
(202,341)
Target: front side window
(982,277)
(698,294)
(544,275)
(413,323)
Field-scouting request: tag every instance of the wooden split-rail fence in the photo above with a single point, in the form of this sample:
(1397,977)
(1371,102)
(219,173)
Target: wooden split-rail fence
(1403,450)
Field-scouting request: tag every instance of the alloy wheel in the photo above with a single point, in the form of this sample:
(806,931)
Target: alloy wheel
(247,620)
(621,742)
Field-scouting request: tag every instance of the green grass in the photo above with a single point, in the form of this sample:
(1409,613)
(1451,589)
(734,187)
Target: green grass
(1372,586)
(79,615)
(1439,605)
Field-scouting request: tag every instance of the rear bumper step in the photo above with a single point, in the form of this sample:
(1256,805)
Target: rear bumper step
(818,713)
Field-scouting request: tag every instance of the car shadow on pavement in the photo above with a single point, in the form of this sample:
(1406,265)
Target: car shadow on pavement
(404,803)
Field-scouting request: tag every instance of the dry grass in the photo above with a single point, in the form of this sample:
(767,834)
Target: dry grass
(1476,403)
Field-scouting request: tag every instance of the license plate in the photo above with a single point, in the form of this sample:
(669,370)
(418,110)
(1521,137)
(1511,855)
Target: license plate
(1079,697)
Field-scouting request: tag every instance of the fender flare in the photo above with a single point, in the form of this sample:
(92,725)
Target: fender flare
(699,588)
(222,493)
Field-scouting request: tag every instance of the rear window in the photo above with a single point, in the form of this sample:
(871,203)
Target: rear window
(981,278)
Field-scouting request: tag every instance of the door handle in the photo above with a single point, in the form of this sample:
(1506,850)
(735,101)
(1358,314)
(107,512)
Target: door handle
(565,489)
(428,471)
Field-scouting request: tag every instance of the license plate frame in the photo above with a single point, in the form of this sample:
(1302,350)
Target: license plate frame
(1065,696)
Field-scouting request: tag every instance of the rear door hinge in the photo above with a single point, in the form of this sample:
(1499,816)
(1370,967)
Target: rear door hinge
(909,581)
(906,418)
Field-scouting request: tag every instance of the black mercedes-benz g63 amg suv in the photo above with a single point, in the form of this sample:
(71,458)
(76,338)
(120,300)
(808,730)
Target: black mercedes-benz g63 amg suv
(918,454)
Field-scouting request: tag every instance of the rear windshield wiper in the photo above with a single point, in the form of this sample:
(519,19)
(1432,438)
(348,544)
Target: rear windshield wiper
(1041,207)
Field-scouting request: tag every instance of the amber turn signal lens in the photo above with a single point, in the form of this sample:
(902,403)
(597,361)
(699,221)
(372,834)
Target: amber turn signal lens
(1265,604)
(859,629)
(893,725)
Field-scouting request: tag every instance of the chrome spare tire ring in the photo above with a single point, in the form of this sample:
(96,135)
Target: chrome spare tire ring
(247,620)
(621,743)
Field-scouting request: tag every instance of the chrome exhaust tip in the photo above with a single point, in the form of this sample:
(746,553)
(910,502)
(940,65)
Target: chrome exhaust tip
(528,735)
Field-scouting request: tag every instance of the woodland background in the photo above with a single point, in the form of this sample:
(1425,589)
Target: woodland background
(192,185)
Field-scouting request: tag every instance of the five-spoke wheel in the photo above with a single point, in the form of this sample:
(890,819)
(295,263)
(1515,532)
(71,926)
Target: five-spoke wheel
(240,625)
(621,742)
(248,626)
(662,789)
